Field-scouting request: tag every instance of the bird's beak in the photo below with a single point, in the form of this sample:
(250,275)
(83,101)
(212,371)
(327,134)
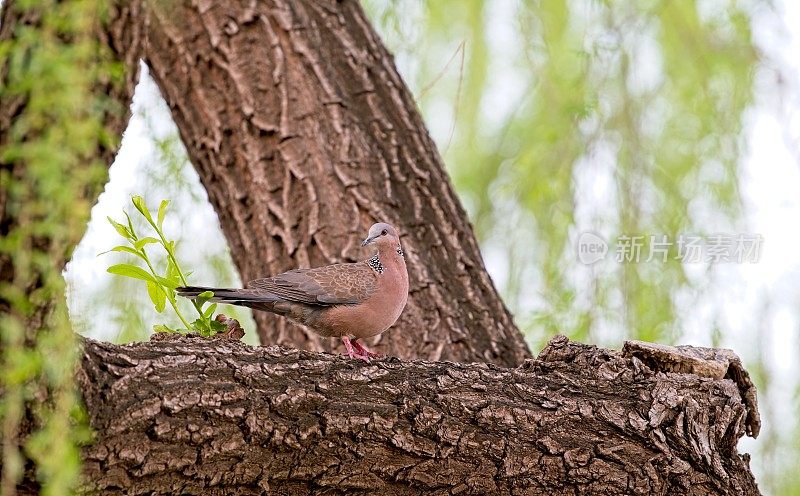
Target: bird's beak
(368,241)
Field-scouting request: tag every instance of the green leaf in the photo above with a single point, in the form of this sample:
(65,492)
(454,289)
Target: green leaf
(202,327)
(130,224)
(162,328)
(218,327)
(140,205)
(157,296)
(122,230)
(124,249)
(208,328)
(208,312)
(144,241)
(203,297)
(168,283)
(132,271)
(172,270)
(162,212)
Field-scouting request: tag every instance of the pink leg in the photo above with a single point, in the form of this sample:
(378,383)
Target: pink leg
(354,351)
(364,351)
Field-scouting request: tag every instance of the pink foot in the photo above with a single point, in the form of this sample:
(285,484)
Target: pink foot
(354,351)
(364,351)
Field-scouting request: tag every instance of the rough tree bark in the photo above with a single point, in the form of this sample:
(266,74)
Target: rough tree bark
(198,417)
(303,134)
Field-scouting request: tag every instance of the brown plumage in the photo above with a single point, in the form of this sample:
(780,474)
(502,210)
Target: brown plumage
(349,300)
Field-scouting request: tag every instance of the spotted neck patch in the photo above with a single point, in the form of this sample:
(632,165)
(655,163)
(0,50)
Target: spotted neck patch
(376,264)
(400,251)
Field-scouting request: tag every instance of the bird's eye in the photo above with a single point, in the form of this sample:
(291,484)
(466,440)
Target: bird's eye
(384,232)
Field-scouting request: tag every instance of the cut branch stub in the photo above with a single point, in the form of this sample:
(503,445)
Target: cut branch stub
(200,417)
(716,363)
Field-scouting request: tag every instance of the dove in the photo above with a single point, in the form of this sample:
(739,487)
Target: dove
(351,301)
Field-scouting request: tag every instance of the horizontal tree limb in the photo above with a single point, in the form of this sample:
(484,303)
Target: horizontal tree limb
(193,416)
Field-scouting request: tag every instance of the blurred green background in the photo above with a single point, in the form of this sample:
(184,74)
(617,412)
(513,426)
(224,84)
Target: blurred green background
(652,118)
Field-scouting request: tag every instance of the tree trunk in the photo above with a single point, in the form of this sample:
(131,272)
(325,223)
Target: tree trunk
(303,134)
(192,416)
(121,34)
(58,88)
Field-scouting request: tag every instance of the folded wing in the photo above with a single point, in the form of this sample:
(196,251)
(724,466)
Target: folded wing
(339,284)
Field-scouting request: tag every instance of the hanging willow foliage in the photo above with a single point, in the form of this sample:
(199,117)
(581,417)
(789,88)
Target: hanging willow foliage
(54,79)
(566,116)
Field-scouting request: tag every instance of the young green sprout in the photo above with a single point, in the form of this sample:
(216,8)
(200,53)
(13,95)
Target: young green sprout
(161,287)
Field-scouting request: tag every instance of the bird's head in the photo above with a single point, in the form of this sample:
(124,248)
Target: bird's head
(382,235)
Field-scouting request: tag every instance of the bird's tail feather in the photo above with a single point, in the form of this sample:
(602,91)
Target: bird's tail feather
(231,296)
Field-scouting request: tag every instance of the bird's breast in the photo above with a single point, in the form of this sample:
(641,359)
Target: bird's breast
(375,314)
(392,291)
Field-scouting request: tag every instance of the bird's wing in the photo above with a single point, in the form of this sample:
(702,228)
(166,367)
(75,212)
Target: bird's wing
(339,284)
